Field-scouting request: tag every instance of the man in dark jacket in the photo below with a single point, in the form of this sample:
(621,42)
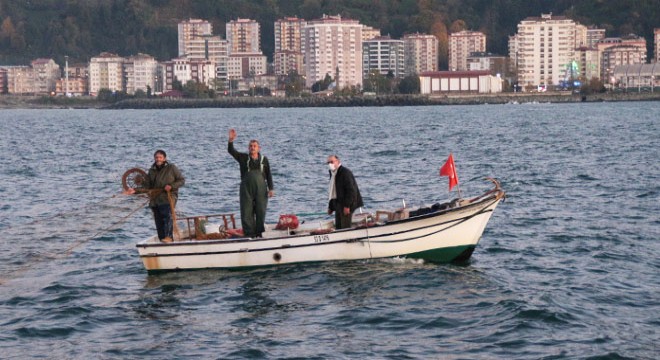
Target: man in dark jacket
(343,192)
(256,186)
(162,183)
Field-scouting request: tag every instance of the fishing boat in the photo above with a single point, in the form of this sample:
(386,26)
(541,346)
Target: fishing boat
(445,232)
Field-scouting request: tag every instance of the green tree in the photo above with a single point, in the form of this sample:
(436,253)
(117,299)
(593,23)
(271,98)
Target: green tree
(194,89)
(322,85)
(293,84)
(409,85)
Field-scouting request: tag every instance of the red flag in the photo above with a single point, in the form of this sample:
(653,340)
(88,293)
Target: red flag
(449,169)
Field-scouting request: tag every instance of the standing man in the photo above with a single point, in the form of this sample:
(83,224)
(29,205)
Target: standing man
(343,192)
(162,176)
(256,186)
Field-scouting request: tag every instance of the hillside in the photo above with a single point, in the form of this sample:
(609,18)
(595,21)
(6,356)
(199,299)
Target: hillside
(84,28)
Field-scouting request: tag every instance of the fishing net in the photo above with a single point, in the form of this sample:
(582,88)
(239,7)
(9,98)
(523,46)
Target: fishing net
(57,236)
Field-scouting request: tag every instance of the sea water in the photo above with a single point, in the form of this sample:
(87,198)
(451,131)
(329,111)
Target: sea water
(568,266)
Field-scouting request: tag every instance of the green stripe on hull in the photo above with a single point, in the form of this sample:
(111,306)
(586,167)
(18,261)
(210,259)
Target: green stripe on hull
(445,255)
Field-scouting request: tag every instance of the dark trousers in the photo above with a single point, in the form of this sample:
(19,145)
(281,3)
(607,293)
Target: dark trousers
(342,221)
(163,219)
(254,201)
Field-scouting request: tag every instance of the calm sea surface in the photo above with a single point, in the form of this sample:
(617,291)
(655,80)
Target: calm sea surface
(568,267)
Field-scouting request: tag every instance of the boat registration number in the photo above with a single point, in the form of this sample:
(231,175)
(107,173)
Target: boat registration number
(321,238)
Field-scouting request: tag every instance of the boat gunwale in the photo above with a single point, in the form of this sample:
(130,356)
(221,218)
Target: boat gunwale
(487,197)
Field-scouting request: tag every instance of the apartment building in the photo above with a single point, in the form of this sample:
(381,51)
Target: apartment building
(189,31)
(46,74)
(243,37)
(615,51)
(289,46)
(369,33)
(545,50)
(333,46)
(479,61)
(461,45)
(246,66)
(594,36)
(74,86)
(183,69)
(140,73)
(20,80)
(383,54)
(421,53)
(285,62)
(588,62)
(106,72)
(656,41)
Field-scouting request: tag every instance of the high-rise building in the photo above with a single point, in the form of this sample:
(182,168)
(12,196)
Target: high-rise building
(383,54)
(289,46)
(245,56)
(190,30)
(106,72)
(333,46)
(212,48)
(140,73)
(243,37)
(656,41)
(545,50)
(461,45)
(421,53)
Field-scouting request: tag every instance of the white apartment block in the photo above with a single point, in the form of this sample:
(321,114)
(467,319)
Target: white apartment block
(46,74)
(461,45)
(106,72)
(246,66)
(656,41)
(545,49)
(383,54)
(183,69)
(333,47)
(190,30)
(140,73)
(480,61)
(212,48)
(289,46)
(421,53)
(243,36)
(369,33)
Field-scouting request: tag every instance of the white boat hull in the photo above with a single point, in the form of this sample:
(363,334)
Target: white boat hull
(442,236)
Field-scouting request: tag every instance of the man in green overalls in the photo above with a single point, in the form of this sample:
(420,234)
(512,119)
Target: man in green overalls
(256,186)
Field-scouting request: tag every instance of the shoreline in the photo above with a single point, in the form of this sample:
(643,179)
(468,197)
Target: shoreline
(38,102)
